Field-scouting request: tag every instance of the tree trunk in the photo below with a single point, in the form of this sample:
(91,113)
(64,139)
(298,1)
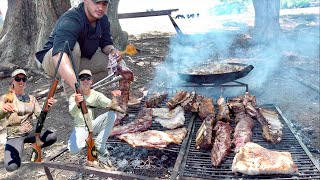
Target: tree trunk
(267,26)
(120,38)
(27,26)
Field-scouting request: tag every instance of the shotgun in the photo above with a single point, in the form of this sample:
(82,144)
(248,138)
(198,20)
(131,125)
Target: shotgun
(92,150)
(36,149)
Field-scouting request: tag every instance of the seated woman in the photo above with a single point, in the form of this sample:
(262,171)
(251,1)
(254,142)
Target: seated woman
(17,110)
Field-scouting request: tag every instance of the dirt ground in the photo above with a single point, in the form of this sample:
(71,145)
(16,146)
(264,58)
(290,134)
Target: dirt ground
(298,98)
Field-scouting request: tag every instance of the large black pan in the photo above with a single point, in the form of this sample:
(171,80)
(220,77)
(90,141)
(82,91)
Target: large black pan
(220,78)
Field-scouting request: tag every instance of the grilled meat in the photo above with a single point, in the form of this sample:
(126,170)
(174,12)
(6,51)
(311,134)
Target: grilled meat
(136,98)
(187,104)
(154,138)
(170,119)
(271,125)
(249,102)
(206,107)
(177,134)
(224,114)
(142,122)
(156,99)
(253,159)
(196,103)
(166,113)
(204,133)
(222,142)
(236,107)
(243,130)
(124,86)
(179,97)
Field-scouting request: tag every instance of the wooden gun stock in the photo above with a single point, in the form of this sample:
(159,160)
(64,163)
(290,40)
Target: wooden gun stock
(36,149)
(92,150)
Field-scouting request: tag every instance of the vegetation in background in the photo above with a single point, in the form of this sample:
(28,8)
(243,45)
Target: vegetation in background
(230,7)
(290,4)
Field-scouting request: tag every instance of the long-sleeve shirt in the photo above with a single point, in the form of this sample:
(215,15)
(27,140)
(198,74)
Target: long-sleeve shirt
(93,100)
(25,111)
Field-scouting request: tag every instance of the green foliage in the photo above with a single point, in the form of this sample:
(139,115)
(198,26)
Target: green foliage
(290,4)
(230,7)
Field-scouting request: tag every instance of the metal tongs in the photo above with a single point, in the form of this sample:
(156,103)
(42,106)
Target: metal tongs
(107,80)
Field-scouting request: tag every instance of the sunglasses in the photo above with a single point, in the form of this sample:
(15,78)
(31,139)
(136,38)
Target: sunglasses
(18,79)
(88,78)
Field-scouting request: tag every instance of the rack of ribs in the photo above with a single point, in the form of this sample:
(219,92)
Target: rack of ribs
(206,107)
(253,159)
(155,99)
(204,133)
(224,113)
(178,98)
(154,138)
(141,123)
(271,125)
(222,142)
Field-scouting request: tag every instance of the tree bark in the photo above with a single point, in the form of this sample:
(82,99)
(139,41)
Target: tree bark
(267,26)
(120,38)
(27,26)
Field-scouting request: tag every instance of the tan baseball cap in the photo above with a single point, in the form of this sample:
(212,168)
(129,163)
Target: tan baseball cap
(85,71)
(18,71)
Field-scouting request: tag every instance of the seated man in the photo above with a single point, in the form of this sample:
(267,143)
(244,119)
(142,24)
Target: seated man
(102,124)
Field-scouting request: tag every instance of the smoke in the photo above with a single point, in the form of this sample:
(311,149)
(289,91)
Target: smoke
(189,51)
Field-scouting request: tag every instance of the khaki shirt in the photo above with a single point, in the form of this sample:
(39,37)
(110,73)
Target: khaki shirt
(24,113)
(94,100)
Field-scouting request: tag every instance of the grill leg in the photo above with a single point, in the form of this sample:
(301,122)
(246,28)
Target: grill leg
(48,173)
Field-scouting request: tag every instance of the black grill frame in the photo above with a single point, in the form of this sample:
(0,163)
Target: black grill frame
(197,164)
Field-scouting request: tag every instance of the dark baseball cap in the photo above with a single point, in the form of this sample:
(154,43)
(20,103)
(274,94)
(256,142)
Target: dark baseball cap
(100,0)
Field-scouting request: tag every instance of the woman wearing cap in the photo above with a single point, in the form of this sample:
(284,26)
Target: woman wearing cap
(17,110)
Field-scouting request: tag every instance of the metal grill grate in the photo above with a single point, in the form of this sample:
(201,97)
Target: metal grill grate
(197,164)
(174,151)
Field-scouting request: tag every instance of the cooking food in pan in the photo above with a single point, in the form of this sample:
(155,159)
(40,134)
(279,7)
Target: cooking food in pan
(215,73)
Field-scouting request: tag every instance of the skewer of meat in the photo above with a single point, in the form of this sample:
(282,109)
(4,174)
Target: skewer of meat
(124,86)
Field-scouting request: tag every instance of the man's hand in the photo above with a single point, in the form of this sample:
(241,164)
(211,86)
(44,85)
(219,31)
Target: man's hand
(50,101)
(115,106)
(116,54)
(116,93)
(78,98)
(7,107)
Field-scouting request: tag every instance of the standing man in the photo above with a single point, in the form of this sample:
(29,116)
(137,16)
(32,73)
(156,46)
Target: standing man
(86,28)
(102,124)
